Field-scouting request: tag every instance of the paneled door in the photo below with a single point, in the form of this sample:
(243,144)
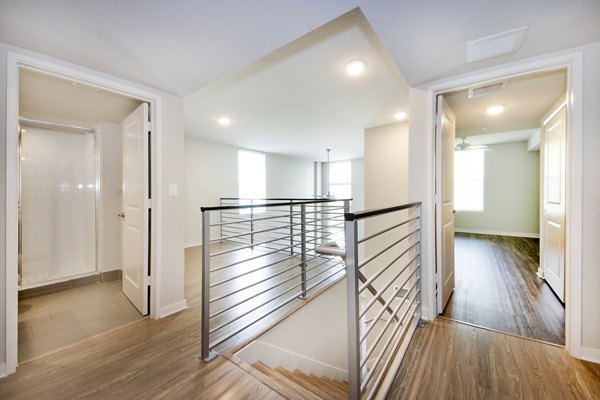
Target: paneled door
(135,213)
(445,132)
(553,215)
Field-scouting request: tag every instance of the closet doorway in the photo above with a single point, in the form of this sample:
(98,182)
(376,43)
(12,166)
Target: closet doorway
(73,172)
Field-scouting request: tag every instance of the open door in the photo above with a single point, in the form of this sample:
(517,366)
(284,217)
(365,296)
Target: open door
(445,132)
(136,211)
(553,215)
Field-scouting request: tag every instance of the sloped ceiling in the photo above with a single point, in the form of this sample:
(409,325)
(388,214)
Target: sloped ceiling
(190,47)
(178,46)
(299,100)
(182,46)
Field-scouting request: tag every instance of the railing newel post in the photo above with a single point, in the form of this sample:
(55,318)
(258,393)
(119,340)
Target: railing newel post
(291,228)
(207,354)
(303,248)
(252,222)
(354,378)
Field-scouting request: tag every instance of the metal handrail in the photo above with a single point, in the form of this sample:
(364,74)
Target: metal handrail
(388,282)
(263,205)
(273,252)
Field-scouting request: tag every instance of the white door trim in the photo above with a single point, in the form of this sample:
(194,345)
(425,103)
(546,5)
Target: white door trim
(573,62)
(75,73)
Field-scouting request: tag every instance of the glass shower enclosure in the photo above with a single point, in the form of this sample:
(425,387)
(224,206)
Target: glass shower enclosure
(58,203)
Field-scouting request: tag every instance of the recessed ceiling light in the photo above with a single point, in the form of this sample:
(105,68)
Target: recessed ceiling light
(224,121)
(356,67)
(494,110)
(401,116)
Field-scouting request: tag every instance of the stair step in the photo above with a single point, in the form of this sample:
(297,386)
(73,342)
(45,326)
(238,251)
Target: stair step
(284,380)
(307,385)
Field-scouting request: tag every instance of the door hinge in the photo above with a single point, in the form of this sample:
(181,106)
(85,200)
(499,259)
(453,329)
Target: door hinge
(147,281)
(149,203)
(148,126)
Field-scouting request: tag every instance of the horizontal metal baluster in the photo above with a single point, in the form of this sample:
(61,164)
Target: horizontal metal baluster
(392,336)
(385,287)
(381,311)
(374,256)
(382,270)
(386,230)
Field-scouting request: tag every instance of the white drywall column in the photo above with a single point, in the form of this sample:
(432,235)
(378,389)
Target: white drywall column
(386,165)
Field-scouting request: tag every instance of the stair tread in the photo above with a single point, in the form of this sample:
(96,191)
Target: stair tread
(315,385)
(284,380)
(307,385)
(330,383)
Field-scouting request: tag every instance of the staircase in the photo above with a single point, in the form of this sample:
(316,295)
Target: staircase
(306,386)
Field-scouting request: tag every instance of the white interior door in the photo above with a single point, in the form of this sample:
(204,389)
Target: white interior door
(135,208)
(553,216)
(446,124)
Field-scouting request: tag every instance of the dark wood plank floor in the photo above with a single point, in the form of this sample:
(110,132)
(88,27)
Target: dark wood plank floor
(451,360)
(497,287)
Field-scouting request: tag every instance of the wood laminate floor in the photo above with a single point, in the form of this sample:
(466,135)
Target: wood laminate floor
(148,359)
(159,359)
(497,287)
(52,321)
(451,360)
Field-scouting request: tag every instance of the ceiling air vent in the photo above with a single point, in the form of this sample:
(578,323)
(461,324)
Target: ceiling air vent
(480,91)
(495,45)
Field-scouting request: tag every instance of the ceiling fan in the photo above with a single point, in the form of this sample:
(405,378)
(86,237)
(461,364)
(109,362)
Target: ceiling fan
(464,145)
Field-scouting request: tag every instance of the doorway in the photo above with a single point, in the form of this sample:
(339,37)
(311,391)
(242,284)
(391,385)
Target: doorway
(496,175)
(81,150)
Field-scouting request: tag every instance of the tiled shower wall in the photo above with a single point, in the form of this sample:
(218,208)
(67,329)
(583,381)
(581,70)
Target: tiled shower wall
(58,195)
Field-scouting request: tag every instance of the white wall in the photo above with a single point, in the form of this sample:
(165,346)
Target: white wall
(211,172)
(511,193)
(386,165)
(169,211)
(358,184)
(421,114)
(289,177)
(110,147)
(314,339)
(591,199)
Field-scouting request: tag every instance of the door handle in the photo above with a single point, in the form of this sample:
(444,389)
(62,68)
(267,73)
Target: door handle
(122,215)
(453,211)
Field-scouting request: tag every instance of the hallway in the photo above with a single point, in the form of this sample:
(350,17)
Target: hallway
(497,287)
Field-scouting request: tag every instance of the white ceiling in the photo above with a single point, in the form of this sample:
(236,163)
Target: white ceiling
(299,100)
(49,98)
(428,39)
(526,99)
(183,46)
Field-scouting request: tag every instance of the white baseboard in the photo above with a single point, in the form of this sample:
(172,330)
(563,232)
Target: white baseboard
(172,308)
(499,233)
(193,244)
(2,370)
(274,356)
(590,354)
(426,314)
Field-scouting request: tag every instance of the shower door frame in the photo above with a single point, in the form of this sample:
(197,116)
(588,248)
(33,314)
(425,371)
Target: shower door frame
(70,129)
(15,61)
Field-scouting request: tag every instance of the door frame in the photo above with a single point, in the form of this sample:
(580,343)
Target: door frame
(65,70)
(573,63)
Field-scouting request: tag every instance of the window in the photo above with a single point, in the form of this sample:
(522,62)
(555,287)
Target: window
(251,178)
(340,179)
(468,180)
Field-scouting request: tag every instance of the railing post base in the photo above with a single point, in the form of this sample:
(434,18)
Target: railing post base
(211,356)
